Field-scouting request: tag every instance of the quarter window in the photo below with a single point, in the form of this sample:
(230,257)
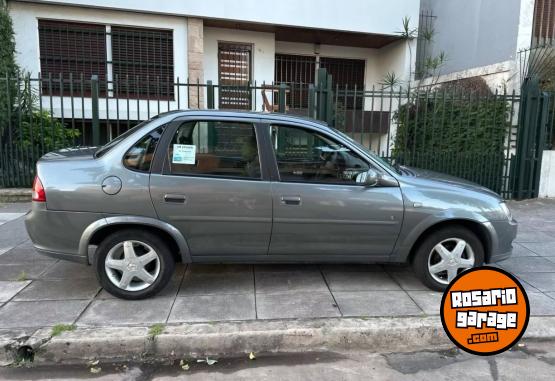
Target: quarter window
(214,148)
(307,156)
(140,156)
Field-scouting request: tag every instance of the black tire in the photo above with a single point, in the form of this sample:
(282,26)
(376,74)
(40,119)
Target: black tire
(166,261)
(423,252)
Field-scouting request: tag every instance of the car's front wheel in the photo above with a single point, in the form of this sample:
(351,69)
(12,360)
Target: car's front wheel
(133,264)
(446,253)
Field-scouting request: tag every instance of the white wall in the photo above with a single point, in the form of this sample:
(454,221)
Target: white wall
(547,175)
(370,16)
(25,22)
(263,52)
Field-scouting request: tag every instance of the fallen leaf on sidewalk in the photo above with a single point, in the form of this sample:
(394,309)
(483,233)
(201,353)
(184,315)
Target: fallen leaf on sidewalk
(208,360)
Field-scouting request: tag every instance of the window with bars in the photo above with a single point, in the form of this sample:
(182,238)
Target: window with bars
(348,75)
(297,72)
(544,21)
(296,69)
(142,62)
(70,48)
(140,65)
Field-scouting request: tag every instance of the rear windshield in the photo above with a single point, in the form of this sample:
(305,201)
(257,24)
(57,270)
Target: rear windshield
(114,142)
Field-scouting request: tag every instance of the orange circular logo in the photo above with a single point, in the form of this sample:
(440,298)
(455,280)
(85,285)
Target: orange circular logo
(485,311)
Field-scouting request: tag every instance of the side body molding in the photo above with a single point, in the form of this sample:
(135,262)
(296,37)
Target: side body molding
(134,220)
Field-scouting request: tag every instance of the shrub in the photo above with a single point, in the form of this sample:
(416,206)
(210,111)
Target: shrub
(461,134)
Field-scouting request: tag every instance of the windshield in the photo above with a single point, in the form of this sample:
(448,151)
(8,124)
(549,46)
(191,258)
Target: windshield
(369,152)
(114,142)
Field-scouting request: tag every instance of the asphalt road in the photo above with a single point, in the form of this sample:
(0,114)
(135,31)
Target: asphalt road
(530,361)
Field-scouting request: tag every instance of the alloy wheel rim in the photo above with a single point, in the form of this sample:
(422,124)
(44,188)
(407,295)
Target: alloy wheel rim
(132,265)
(449,258)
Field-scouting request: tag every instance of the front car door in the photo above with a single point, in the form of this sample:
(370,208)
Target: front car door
(319,207)
(212,187)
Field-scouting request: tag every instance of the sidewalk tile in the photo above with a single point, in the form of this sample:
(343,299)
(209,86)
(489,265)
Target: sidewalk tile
(62,289)
(296,304)
(20,256)
(213,308)
(69,270)
(428,301)
(376,303)
(519,250)
(218,268)
(408,281)
(217,284)
(27,271)
(285,281)
(119,311)
(521,265)
(40,314)
(543,249)
(352,268)
(534,236)
(9,289)
(544,282)
(360,281)
(272,268)
(541,304)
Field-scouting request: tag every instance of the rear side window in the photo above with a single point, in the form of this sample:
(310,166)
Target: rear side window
(214,148)
(140,156)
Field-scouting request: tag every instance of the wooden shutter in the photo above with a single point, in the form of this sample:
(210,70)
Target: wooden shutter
(234,68)
(142,62)
(68,47)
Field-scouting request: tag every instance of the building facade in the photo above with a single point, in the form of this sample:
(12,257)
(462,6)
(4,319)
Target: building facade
(227,43)
(483,38)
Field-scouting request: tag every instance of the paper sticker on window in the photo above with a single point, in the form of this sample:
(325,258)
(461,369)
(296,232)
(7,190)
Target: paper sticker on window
(184,154)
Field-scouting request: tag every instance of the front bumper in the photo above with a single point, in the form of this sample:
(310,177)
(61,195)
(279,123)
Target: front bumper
(502,234)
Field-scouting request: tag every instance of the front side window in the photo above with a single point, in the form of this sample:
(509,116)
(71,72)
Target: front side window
(214,148)
(307,156)
(140,156)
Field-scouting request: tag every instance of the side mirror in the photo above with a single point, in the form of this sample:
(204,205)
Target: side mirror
(369,178)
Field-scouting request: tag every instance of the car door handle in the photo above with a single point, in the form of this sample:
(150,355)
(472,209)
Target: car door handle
(175,198)
(290,200)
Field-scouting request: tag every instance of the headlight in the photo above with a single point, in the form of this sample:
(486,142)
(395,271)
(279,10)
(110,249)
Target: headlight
(506,210)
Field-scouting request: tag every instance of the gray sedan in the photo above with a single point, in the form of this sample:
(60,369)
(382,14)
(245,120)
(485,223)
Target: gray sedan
(233,187)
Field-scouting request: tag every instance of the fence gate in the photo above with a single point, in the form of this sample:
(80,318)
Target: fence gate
(531,140)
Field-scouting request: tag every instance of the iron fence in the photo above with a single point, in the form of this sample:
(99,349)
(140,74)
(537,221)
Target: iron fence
(448,130)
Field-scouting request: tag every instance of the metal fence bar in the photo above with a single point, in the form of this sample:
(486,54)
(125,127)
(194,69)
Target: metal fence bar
(405,126)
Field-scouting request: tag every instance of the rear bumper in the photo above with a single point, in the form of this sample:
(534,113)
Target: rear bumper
(57,233)
(502,234)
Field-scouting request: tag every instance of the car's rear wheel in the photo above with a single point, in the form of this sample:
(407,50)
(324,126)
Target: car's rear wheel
(133,264)
(446,253)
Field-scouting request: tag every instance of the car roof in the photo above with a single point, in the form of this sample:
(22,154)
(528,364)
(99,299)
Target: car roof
(251,114)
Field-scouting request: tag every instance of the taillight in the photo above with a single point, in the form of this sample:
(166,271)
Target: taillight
(38,191)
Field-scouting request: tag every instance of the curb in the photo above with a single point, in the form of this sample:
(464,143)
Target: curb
(233,339)
(15,195)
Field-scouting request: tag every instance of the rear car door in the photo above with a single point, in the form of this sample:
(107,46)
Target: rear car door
(212,186)
(319,208)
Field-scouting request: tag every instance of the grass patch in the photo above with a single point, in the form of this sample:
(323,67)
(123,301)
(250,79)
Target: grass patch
(58,329)
(22,277)
(156,329)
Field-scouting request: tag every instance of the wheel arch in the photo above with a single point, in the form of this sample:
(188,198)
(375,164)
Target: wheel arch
(477,228)
(100,229)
